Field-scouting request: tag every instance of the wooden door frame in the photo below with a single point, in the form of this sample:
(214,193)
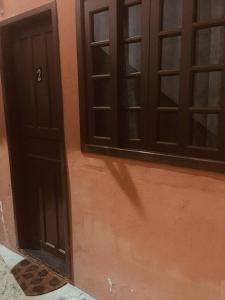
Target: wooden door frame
(4,26)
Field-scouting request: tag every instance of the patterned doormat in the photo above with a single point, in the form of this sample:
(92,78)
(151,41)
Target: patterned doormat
(36,279)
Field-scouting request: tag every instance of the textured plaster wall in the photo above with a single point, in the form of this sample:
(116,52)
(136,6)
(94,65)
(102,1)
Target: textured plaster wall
(7,226)
(140,231)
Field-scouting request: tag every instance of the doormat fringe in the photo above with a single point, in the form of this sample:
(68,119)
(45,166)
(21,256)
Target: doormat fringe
(36,279)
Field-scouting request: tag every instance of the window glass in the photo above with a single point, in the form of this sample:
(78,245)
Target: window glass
(172,14)
(131,90)
(171,53)
(131,124)
(102,124)
(211,9)
(205,130)
(101,26)
(167,127)
(101,60)
(210,46)
(133,57)
(102,92)
(132,21)
(207,89)
(169,93)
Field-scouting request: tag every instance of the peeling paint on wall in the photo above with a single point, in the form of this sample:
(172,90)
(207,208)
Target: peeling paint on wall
(118,291)
(3,222)
(112,288)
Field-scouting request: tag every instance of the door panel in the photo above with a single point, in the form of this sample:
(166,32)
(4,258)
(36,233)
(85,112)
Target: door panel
(41,142)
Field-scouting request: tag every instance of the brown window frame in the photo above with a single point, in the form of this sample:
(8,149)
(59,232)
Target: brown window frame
(148,148)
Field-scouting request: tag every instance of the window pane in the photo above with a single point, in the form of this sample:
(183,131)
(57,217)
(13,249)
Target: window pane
(169,94)
(102,123)
(167,127)
(101,60)
(132,21)
(101,26)
(133,57)
(130,124)
(205,130)
(172,14)
(210,45)
(131,92)
(207,89)
(102,92)
(171,53)
(211,9)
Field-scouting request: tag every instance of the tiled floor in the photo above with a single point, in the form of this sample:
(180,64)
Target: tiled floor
(68,292)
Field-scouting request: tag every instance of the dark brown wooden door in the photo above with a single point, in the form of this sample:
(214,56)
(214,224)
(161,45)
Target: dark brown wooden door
(40,139)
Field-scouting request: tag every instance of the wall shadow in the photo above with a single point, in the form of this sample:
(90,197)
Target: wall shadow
(220,176)
(124,180)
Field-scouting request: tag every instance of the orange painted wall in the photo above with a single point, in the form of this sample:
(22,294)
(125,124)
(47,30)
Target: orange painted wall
(140,231)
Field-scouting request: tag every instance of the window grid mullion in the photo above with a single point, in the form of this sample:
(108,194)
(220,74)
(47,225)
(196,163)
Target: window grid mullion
(157,77)
(186,74)
(222,115)
(126,75)
(114,30)
(154,68)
